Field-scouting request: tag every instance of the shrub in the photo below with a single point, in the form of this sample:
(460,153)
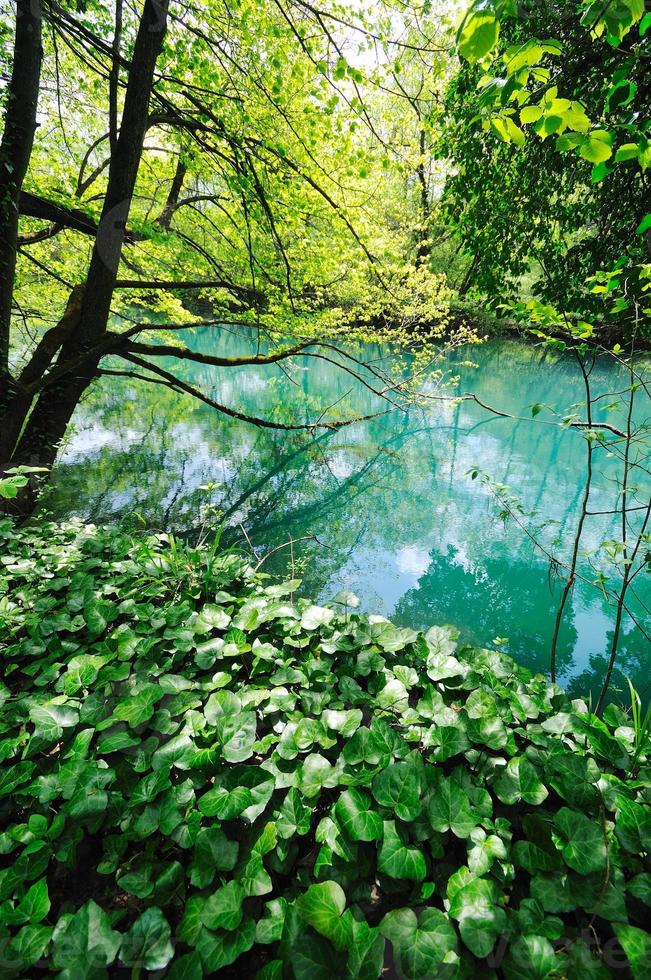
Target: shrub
(200,770)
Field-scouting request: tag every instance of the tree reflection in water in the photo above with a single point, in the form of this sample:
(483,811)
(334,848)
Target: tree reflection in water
(397,518)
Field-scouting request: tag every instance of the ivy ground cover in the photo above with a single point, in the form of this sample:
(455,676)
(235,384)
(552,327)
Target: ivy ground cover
(202,775)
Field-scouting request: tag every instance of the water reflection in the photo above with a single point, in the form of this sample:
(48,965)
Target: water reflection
(396,516)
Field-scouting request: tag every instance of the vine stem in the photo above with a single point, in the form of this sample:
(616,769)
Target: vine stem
(569,582)
(628,557)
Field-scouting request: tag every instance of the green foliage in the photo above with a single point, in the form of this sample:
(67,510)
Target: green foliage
(199,772)
(549,144)
(15,478)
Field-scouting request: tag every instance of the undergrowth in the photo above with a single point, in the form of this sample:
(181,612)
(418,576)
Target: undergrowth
(204,775)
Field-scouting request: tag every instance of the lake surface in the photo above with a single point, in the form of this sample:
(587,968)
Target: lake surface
(396,516)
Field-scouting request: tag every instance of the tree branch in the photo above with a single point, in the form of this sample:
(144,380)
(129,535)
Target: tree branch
(185,353)
(175,382)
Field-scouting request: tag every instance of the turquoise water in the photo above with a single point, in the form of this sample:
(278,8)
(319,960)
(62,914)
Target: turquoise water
(389,506)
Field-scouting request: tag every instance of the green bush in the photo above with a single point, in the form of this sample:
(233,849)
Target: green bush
(200,770)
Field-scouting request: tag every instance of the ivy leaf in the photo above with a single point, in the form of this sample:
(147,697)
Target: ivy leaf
(356,816)
(269,928)
(392,638)
(35,904)
(237,733)
(316,772)
(186,967)
(398,788)
(345,722)
(393,695)
(51,718)
(313,958)
(633,825)
(485,849)
(84,942)
(366,955)
(294,816)
(148,942)
(481,919)
(221,948)
(139,708)
(397,858)
(253,877)
(420,945)
(581,841)
(636,943)
(223,909)
(640,887)
(323,907)
(520,781)
(213,851)
(29,943)
(315,616)
(449,808)
(532,958)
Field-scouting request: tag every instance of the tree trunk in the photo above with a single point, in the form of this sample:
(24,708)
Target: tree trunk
(18,402)
(56,403)
(15,151)
(424,247)
(173,196)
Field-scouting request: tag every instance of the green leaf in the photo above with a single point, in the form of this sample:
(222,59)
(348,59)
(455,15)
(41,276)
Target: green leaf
(323,907)
(366,955)
(479,35)
(530,114)
(532,958)
(252,876)
(420,945)
(315,616)
(270,927)
(398,788)
(213,851)
(520,781)
(356,816)
(223,909)
(627,151)
(449,808)
(29,943)
(186,967)
(633,825)
(393,696)
(313,958)
(315,773)
(476,906)
(140,707)
(399,859)
(221,948)
(644,225)
(581,841)
(237,733)
(294,817)
(595,150)
(36,903)
(148,942)
(640,887)
(345,722)
(484,851)
(51,718)
(84,942)
(636,943)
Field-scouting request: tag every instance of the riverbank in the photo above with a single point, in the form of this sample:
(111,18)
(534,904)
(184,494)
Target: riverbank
(490,326)
(233,776)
